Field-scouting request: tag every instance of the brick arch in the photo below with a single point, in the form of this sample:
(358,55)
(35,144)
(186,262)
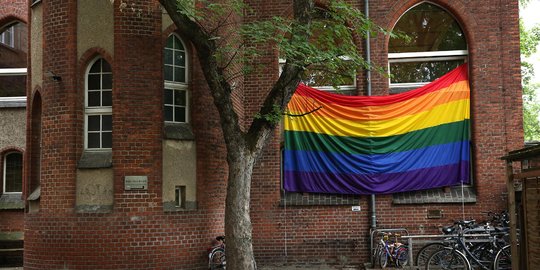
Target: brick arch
(36,91)
(11,15)
(92,53)
(85,59)
(465,20)
(11,19)
(9,149)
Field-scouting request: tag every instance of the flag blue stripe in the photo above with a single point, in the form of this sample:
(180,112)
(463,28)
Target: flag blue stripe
(339,163)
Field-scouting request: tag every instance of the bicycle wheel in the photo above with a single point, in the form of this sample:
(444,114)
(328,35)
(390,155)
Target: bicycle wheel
(379,250)
(383,258)
(447,258)
(426,251)
(402,256)
(217,259)
(503,259)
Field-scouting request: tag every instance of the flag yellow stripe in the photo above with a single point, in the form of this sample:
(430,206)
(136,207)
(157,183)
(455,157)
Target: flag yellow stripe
(442,114)
(457,91)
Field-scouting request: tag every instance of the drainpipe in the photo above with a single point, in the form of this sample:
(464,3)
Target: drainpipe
(373,211)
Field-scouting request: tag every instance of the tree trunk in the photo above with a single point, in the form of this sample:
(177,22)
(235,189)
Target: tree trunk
(238,226)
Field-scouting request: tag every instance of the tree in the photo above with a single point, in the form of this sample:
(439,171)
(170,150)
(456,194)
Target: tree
(529,40)
(312,37)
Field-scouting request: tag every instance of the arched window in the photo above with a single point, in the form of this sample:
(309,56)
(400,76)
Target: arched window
(98,105)
(175,73)
(435,46)
(12,172)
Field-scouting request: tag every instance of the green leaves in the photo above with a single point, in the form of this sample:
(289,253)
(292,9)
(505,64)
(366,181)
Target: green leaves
(529,40)
(273,117)
(330,53)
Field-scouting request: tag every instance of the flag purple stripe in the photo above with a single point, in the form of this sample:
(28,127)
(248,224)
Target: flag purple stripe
(362,184)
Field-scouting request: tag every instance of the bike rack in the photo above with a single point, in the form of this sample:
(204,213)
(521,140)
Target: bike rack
(486,238)
(379,231)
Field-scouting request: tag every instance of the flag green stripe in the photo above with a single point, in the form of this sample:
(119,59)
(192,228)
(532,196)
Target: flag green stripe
(442,134)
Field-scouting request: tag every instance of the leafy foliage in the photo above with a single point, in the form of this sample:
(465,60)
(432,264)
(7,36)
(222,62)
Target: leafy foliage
(331,49)
(529,40)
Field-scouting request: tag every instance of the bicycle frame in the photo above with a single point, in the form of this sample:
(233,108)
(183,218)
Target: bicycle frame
(461,247)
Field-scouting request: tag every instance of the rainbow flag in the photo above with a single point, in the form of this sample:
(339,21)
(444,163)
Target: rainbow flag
(415,140)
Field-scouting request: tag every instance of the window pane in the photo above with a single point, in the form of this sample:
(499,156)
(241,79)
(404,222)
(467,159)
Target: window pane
(170,42)
(180,98)
(421,71)
(179,58)
(96,67)
(13,172)
(430,28)
(94,99)
(107,98)
(106,140)
(105,66)
(107,81)
(12,86)
(94,81)
(167,56)
(179,74)
(168,73)
(179,114)
(168,96)
(94,123)
(93,140)
(317,77)
(107,123)
(178,44)
(168,113)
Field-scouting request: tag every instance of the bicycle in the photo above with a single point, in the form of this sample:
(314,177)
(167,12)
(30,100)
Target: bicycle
(483,250)
(392,251)
(461,255)
(216,255)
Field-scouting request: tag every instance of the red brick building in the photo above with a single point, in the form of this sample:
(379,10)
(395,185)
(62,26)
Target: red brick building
(125,162)
(13,59)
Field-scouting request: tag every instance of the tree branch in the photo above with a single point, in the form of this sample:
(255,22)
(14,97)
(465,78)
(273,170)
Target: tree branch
(220,88)
(303,114)
(282,91)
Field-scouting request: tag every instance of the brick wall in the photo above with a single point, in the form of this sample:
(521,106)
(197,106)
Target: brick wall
(138,234)
(336,235)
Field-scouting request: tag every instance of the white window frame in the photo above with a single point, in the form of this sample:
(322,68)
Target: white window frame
(411,57)
(93,111)
(4,177)
(179,86)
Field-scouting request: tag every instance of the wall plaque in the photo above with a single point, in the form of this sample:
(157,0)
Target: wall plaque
(136,182)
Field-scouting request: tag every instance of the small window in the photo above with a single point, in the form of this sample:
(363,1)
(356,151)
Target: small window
(436,45)
(98,105)
(175,73)
(13,163)
(314,77)
(13,64)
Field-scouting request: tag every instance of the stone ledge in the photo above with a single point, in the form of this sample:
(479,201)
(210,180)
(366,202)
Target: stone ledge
(95,160)
(11,201)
